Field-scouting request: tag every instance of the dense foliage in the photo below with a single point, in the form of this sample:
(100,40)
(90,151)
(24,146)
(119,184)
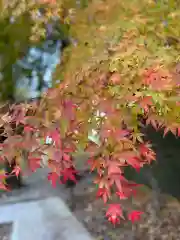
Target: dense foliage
(120,74)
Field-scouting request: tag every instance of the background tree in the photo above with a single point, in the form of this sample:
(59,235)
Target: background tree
(17,61)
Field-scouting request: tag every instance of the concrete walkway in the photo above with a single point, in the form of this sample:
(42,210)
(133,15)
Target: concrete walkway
(48,219)
(39,212)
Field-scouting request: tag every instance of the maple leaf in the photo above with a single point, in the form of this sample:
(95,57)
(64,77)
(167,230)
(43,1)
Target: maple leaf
(121,195)
(106,107)
(2,175)
(134,216)
(55,136)
(151,156)
(153,121)
(18,115)
(144,148)
(68,149)
(57,154)
(122,134)
(4,187)
(69,173)
(137,137)
(116,179)
(131,159)
(178,131)
(67,153)
(69,110)
(28,128)
(66,157)
(105,133)
(103,182)
(147,152)
(135,163)
(16,171)
(114,212)
(97,164)
(158,80)
(128,189)
(104,193)
(53,177)
(146,102)
(115,78)
(171,129)
(114,167)
(34,163)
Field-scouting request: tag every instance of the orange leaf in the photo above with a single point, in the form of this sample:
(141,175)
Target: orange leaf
(97,164)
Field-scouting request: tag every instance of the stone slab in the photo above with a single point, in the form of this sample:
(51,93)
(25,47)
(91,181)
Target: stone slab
(48,219)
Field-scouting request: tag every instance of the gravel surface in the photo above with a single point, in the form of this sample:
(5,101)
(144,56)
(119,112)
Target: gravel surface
(154,225)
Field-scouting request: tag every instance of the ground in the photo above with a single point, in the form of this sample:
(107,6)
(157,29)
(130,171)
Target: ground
(164,225)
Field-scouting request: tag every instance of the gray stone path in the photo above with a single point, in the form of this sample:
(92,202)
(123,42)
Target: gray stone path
(47,218)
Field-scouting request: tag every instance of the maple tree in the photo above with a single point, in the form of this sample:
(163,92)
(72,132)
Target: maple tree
(120,75)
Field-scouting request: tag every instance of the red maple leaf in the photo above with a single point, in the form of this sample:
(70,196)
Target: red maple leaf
(178,131)
(114,167)
(3,176)
(121,134)
(146,102)
(55,136)
(97,164)
(128,189)
(105,133)
(28,128)
(16,170)
(116,179)
(104,193)
(135,163)
(4,187)
(18,114)
(114,212)
(157,79)
(134,216)
(57,154)
(69,110)
(144,149)
(34,163)
(53,177)
(67,153)
(103,182)
(147,152)
(172,129)
(121,195)
(69,173)
(131,159)
(66,157)
(153,122)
